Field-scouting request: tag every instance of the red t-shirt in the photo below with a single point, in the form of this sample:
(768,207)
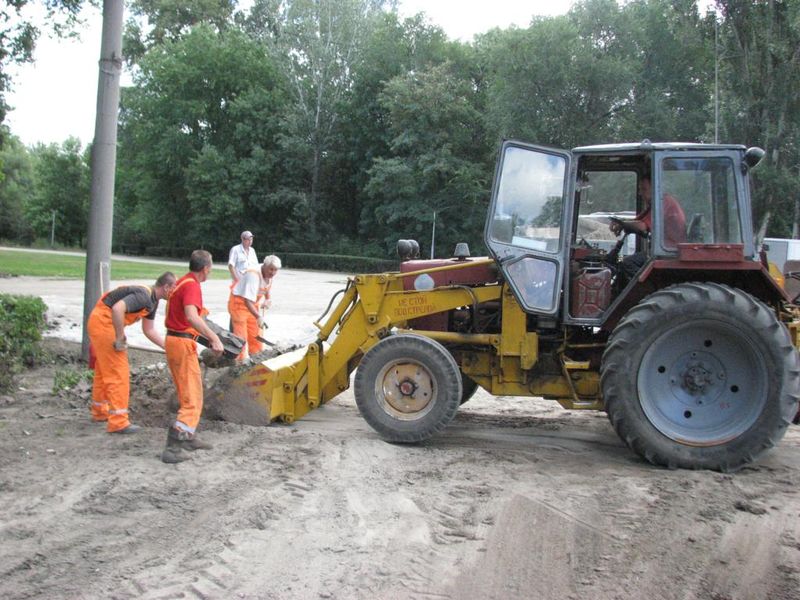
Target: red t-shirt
(674,222)
(187,293)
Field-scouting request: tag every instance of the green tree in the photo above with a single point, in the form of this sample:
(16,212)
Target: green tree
(317,43)
(198,138)
(667,46)
(601,73)
(155,22)
(436,162)
(335,125)
(61,191)
(392,48)
(556,82)
(759,51)
(16,190)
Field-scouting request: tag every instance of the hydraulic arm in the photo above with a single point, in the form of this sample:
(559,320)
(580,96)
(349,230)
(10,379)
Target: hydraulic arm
(291,385)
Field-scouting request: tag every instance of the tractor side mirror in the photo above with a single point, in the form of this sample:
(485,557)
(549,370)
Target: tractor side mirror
(752,157)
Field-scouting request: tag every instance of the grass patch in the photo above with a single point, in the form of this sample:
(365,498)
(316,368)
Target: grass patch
(73,266)
(66,379)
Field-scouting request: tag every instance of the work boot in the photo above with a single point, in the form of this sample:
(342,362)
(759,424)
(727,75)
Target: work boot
(129,429)
(192,443)
(174,452)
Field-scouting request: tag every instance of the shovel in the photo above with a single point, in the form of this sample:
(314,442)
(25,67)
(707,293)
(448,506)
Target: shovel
(260,337)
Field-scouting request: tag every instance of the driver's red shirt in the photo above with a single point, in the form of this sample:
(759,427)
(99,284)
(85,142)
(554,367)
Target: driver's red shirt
(674,222)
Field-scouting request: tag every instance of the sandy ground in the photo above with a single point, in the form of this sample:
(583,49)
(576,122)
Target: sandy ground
(516,499)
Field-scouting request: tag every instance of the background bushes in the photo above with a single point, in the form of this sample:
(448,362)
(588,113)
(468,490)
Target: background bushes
(21,324)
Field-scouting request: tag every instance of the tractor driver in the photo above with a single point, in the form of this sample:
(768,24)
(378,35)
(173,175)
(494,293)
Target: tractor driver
(642,224)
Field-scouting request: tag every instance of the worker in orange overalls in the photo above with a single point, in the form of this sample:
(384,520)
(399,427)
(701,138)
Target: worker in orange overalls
(114,311)
(249,299)
(185,326)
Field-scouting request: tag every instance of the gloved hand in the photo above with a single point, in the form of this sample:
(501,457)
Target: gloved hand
(262,324)
(121,345)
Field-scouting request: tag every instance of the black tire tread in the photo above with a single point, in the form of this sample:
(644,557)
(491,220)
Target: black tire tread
(619,388)
(435,356)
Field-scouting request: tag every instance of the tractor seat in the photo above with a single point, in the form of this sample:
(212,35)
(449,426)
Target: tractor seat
(696,230)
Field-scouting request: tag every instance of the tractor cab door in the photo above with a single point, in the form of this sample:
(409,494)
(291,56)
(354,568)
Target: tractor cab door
(525,229)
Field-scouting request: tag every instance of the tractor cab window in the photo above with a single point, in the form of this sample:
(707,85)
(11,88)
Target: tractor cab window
(525,226)
(706,188)
(527,209)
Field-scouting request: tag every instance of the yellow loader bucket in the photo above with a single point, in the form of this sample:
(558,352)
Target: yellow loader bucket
(260,394)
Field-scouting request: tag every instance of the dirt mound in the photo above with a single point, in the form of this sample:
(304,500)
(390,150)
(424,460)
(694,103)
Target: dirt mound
(153,401)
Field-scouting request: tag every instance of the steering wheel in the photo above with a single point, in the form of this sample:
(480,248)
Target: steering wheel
(624,224)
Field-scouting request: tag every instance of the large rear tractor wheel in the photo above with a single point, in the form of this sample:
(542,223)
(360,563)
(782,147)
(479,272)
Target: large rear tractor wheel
(700,376)
(408,387)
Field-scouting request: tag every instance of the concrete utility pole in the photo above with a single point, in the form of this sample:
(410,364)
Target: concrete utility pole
(104,159)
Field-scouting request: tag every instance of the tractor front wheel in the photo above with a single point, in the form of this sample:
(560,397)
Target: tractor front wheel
(700,376)
(408,387)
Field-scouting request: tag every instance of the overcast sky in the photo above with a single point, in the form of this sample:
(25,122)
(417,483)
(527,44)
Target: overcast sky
(56,97)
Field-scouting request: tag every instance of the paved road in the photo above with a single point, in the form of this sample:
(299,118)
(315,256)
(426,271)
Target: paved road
(299,298)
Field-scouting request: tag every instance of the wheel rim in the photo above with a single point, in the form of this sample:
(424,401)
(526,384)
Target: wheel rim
(406,390)
(702,383)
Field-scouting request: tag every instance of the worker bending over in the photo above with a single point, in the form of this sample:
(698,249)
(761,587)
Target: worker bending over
(247,303)
(113,312)
(185,326)
(273,264)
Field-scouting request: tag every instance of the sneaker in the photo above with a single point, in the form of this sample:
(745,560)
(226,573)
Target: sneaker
(129,429)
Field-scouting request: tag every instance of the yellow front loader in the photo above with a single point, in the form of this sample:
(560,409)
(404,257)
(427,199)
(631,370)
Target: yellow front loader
(426,367)
(685,338)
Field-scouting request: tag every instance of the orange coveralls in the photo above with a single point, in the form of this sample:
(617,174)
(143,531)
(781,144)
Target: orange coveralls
(245,325)
(181,349)
(111,388)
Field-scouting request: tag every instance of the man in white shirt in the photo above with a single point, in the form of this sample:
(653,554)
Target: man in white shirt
(244,303)
(242,257)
